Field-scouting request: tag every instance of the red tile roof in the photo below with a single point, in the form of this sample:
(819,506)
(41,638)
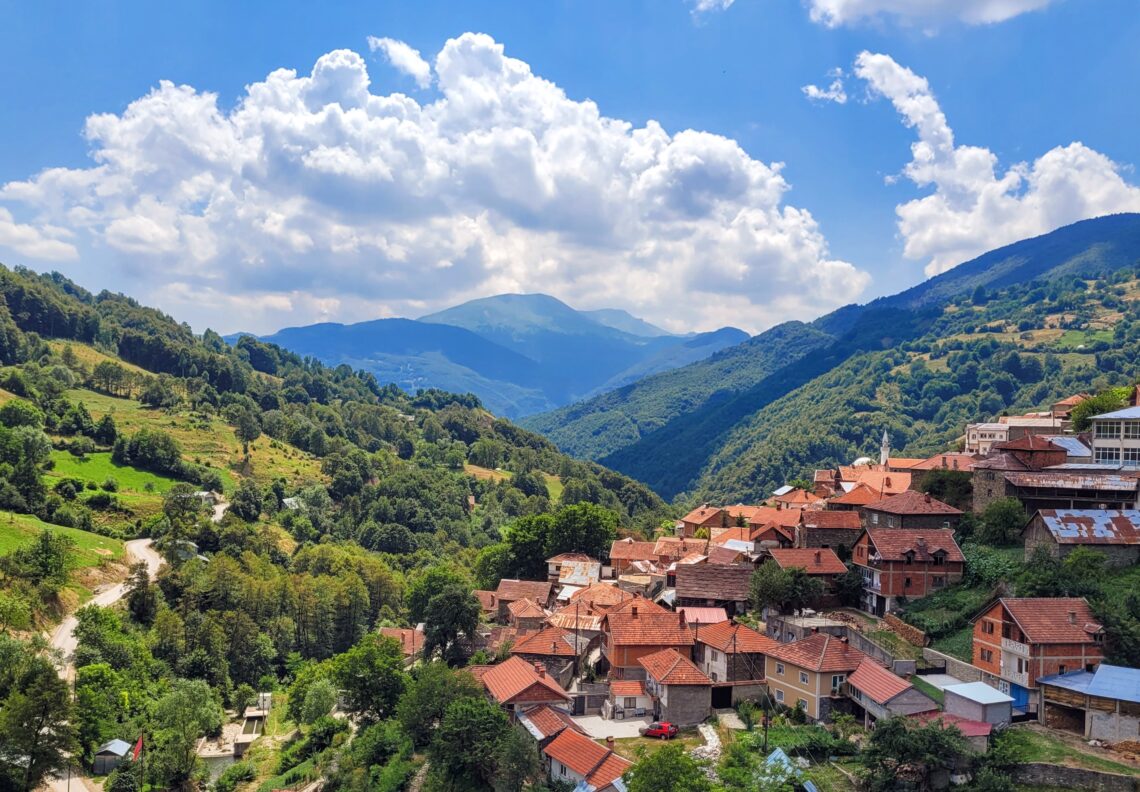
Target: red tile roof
(702,514)
(729,637)
(739,534)
(859,495)
(600,595)
(660,628)
(632,550)
(514,676)
(670,667)
(411,641)
(550,642)
(642,604)
(703,615)
(813,560)
(797,497)
(769,515)
(679,547)
(902,462)
(549,721)
(892,544)
(1053,620)
(510,590)
(627,687)
(724,555)
(964,462)
(581,617)
(599,765)
(832,520)
(486,599)
(821,652)
(1029,442)
(724,582)
(879,684)
(526,608)
(911,502)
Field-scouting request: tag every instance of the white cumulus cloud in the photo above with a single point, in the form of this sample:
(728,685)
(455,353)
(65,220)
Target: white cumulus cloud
(708,6)
(403,58)
(315,193)
(835,13)
(975,205)
(835,92)
(36,242)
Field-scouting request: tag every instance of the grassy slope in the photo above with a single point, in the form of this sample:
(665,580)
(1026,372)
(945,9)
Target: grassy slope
(18,530)
(207,440)
(1036,744)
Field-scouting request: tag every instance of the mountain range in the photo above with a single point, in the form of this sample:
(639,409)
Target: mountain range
(519,353)
(722,427)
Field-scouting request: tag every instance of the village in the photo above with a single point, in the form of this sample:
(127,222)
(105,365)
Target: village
(666,634)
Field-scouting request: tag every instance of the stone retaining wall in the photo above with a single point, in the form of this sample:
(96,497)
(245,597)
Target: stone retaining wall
(1038,774)
(955,667)
(908,632)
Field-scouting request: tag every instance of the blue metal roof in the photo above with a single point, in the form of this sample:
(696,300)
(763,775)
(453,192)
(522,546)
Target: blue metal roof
(1108,681)
(1127,412)
(1072,445)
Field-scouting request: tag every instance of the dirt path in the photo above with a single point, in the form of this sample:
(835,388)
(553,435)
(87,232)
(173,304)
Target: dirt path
(63,639)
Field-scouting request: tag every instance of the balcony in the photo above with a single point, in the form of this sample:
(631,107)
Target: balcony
(872,585)
(1016,647)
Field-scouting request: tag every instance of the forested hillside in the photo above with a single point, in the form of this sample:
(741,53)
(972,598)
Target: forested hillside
(745,400)
(348,505)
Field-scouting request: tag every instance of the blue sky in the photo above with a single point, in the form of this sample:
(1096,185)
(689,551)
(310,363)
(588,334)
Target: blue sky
(294,215)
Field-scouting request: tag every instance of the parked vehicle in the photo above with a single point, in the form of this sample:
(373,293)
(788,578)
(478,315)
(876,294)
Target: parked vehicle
(662,729)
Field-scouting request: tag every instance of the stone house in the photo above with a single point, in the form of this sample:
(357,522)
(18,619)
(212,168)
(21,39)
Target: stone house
(1115,533)
(511,590)
(1019,639)
(1101,705)
(732,656)
(833,529)
(911,509)
(714,586)
(526,614)
(624,552)
(810,674)
(882,694)
(681,694)
(821,563)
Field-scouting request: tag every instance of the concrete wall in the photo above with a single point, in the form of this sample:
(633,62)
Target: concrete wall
(1112,727)
(750,692)
(686,705)
(876,652)
(1047,775)
(954,666)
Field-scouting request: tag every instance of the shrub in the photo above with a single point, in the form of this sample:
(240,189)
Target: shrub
(235,774)
(110,485)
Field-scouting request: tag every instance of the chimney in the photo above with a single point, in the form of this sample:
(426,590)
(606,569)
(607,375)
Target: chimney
(921,542)
(886,481)
(927,498)
(610,743)
(553,647)
(843,639)
(681,618)
(633,611)
(818,556)
(944,462)
(814,630)
(1072,617)
(540,669)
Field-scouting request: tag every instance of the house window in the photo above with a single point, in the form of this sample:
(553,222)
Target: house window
(803,678)
(938,582)
(561,769)
(1107,456)
(1021,665)
(713,655)
(837,680)
(908,559)
(874,519)
(1132,457)
(988,627)
(1060,669)
(630,702)
(986,655)
(945,523)
(1108,429)
(801,704)
(1132,430)
(890,522)
(939,559)
(779,669)
(906,582)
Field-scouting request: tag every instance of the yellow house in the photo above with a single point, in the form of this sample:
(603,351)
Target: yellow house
(809,674)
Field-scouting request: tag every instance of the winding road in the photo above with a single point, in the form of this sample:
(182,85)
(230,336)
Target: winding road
(63,639)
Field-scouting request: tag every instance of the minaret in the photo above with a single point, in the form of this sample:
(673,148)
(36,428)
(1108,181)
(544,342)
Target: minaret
(885,449)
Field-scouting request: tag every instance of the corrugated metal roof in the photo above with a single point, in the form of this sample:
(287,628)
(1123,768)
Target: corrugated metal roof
(784,490)
(979,692)
(1072,445)
(1108,681)
(1127,412)
(1071,480)
(1093,526)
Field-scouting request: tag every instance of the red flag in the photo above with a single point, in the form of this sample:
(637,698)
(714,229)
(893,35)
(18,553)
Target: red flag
(137,750)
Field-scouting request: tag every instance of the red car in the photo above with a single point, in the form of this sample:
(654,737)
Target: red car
(662,729)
